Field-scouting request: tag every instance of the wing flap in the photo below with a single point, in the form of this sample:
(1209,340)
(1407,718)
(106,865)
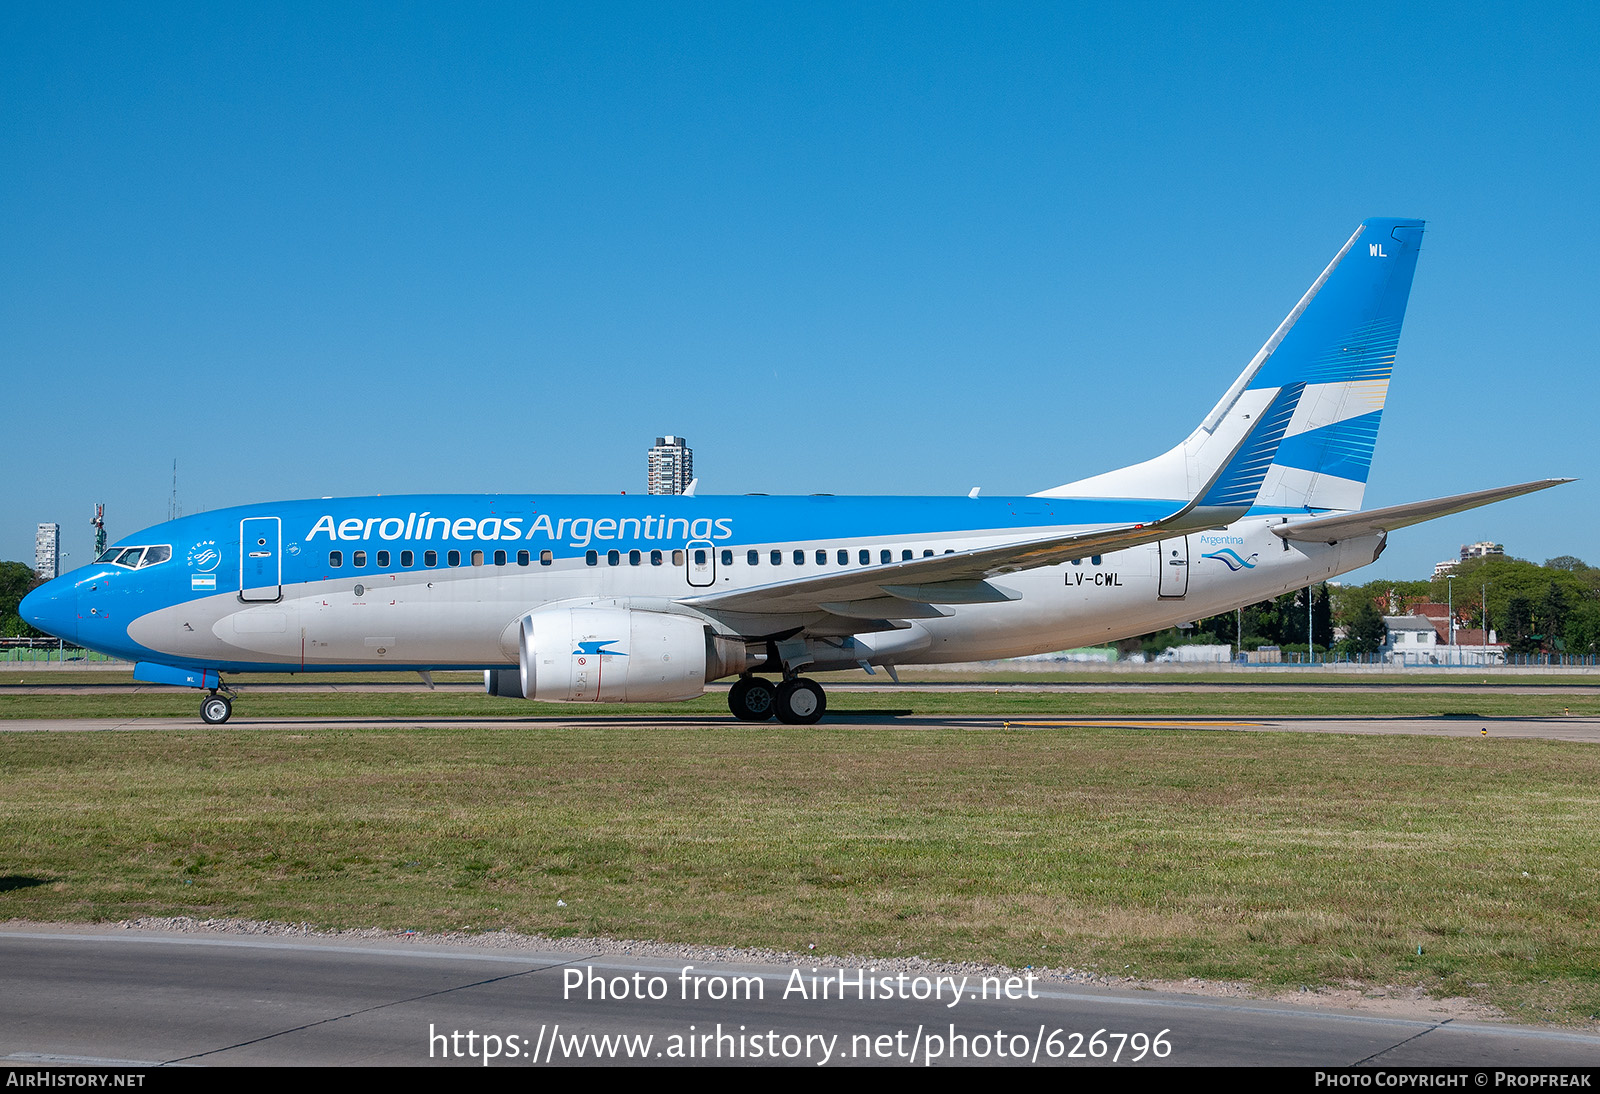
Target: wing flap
(880,606)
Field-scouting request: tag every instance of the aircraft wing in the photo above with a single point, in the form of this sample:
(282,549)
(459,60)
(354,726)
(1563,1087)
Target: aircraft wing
(1372,521)
(898,589)
(903,590)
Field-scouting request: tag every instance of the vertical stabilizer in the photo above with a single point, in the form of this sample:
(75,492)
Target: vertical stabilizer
(1333,353)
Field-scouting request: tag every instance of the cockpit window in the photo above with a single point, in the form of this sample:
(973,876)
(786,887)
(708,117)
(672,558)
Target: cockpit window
(136,557)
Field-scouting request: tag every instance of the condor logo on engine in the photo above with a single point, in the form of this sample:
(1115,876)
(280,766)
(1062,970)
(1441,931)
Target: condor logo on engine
(595,649)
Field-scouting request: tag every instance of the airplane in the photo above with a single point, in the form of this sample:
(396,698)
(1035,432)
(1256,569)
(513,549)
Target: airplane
(648,598)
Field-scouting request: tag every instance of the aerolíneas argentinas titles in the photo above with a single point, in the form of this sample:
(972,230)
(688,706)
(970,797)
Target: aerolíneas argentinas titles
(648,598)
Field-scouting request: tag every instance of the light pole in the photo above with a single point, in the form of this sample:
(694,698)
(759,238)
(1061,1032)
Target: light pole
(1485,624)
(1450,595)
(1311,647)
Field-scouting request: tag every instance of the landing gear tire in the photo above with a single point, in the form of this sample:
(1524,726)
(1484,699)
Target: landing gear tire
(215,710)
(751,699)
(800,702)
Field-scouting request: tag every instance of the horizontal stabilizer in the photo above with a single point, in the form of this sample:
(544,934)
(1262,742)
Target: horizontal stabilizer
(1350,525)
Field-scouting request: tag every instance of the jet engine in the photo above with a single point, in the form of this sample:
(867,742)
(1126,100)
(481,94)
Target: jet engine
(616,655)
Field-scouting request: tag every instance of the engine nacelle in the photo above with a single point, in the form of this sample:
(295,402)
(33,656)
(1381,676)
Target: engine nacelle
(612,655)
(506,683)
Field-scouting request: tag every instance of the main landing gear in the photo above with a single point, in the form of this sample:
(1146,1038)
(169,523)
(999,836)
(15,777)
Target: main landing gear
(796,702)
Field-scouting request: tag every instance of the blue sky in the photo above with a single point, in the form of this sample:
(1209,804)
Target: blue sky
(872,248)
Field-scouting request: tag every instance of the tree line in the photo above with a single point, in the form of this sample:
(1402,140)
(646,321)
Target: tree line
(16,581)
(1551,609)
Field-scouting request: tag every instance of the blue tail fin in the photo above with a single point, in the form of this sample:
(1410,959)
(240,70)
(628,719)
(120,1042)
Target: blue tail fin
(1342,348)
(1321,378)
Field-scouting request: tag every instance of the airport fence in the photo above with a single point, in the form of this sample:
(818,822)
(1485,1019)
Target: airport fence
(1442,657)
(43,651)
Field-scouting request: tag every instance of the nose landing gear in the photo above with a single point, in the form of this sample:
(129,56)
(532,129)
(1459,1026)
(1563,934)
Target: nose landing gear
(217,707)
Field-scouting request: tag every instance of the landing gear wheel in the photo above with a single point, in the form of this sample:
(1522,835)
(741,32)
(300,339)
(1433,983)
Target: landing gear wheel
(800,702)
(215,710)
(751,699)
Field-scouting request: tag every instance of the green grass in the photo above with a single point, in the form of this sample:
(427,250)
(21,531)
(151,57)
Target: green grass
(1280,859)
(153,702)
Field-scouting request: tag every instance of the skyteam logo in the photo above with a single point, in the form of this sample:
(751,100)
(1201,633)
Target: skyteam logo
(205,557)
(1230,558)
(595,649)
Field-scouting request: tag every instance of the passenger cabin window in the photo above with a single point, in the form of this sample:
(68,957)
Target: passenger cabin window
(383,560)
(430,558)
(591,558)
(635,558)
(655,558)
(335,559)
(358,558)
(677,557)
(727,558)
(844,557)
(477,558)
(613,558)
(928,553)
(822,556)
(753,557)
(546,558)
(866,557)
(408,559)
(885,556)
(700,556)
(799,558)
(453,558)
(777,558)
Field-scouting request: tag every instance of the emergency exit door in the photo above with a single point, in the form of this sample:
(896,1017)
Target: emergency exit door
(700,564)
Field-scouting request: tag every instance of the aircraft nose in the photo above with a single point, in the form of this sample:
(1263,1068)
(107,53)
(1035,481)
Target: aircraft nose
(52,608)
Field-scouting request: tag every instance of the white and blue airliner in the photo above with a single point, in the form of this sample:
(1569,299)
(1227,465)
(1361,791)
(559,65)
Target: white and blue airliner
(649,598)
